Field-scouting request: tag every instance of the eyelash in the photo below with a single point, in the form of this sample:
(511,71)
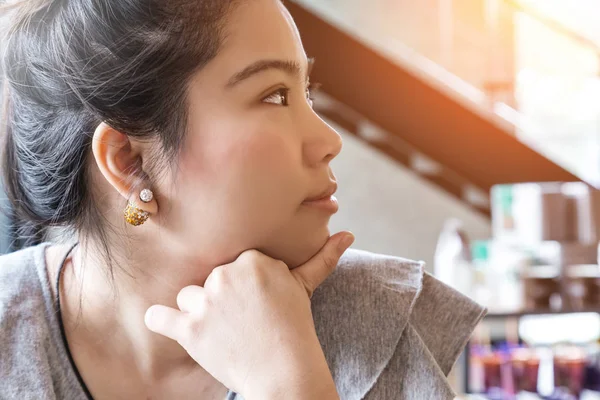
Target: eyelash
(284,94)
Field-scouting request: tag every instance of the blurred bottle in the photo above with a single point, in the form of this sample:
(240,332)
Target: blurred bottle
(452,261)
(592,373)
(482,292)
(497,270)
(569,369)
(525,365)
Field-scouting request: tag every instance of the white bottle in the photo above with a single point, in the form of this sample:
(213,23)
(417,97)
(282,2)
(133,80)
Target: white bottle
(452,261)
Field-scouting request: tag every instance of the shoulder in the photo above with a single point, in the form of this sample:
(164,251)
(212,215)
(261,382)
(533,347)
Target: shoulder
(363,310)
(22,294)
(19,278)
(25,276)
(24,336)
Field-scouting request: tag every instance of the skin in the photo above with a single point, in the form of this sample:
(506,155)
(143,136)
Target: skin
(250,159)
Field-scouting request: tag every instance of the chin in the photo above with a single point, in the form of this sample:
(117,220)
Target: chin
(296,249)
(305,249)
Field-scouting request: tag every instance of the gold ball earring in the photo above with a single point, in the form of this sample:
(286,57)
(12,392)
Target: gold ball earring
(136,216)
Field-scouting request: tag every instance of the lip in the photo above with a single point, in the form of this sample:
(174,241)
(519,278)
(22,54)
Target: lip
(325,201)
(329,204)
(324,194)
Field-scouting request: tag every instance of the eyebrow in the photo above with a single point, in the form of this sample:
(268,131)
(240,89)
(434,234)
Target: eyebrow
(289,67)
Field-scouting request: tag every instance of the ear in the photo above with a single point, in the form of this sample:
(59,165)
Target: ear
(118,158)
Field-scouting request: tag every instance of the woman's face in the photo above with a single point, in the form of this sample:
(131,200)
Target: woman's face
(255,149)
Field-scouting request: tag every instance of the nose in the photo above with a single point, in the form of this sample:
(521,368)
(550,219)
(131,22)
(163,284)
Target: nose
(322,143)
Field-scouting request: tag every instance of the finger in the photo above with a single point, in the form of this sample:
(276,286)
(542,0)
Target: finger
(321,265)
(166,321)
(191,299)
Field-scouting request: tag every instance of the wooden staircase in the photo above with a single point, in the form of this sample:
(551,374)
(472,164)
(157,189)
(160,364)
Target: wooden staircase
(407,116)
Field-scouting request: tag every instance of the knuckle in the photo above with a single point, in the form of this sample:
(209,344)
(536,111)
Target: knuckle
(217,278)
(180,298)
(188,297)
(250,257)
(185,291)
(220,273)
(277,268)
(253,262)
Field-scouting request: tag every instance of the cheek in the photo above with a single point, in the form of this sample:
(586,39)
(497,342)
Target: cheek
(251,174)
(261,166)
(243,147)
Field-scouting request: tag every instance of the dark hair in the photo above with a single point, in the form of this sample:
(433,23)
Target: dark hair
(71,64)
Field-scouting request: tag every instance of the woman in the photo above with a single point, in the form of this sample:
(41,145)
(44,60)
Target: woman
(178,143)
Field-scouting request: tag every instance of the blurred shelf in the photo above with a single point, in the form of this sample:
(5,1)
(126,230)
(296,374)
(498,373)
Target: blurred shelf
(497,314)
(585,395)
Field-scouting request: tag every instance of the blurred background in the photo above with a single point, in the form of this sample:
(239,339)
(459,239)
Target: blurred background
(472,141)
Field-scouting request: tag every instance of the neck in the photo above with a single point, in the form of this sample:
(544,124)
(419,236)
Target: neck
(107,312)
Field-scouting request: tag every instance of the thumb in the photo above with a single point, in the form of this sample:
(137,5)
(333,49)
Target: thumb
(312,273)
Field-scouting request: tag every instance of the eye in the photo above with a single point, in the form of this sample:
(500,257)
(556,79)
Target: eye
(280,97)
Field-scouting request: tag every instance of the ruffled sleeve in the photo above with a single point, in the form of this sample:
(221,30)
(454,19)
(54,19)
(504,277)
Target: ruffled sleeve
(389,330)
(445,320)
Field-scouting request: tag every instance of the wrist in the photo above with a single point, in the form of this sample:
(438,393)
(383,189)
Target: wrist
(295,381)
(321,388)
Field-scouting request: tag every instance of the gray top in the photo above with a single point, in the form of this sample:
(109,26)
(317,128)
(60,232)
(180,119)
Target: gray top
(388,330)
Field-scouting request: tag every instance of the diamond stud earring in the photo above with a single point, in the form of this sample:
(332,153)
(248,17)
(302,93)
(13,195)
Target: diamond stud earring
(146,195)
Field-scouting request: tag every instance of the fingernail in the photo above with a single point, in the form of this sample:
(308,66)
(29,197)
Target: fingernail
(345,242)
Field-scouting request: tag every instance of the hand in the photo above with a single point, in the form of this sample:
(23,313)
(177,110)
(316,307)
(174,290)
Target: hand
(251,325)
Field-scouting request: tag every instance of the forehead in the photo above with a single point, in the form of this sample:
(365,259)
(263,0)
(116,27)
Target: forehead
(260,29)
